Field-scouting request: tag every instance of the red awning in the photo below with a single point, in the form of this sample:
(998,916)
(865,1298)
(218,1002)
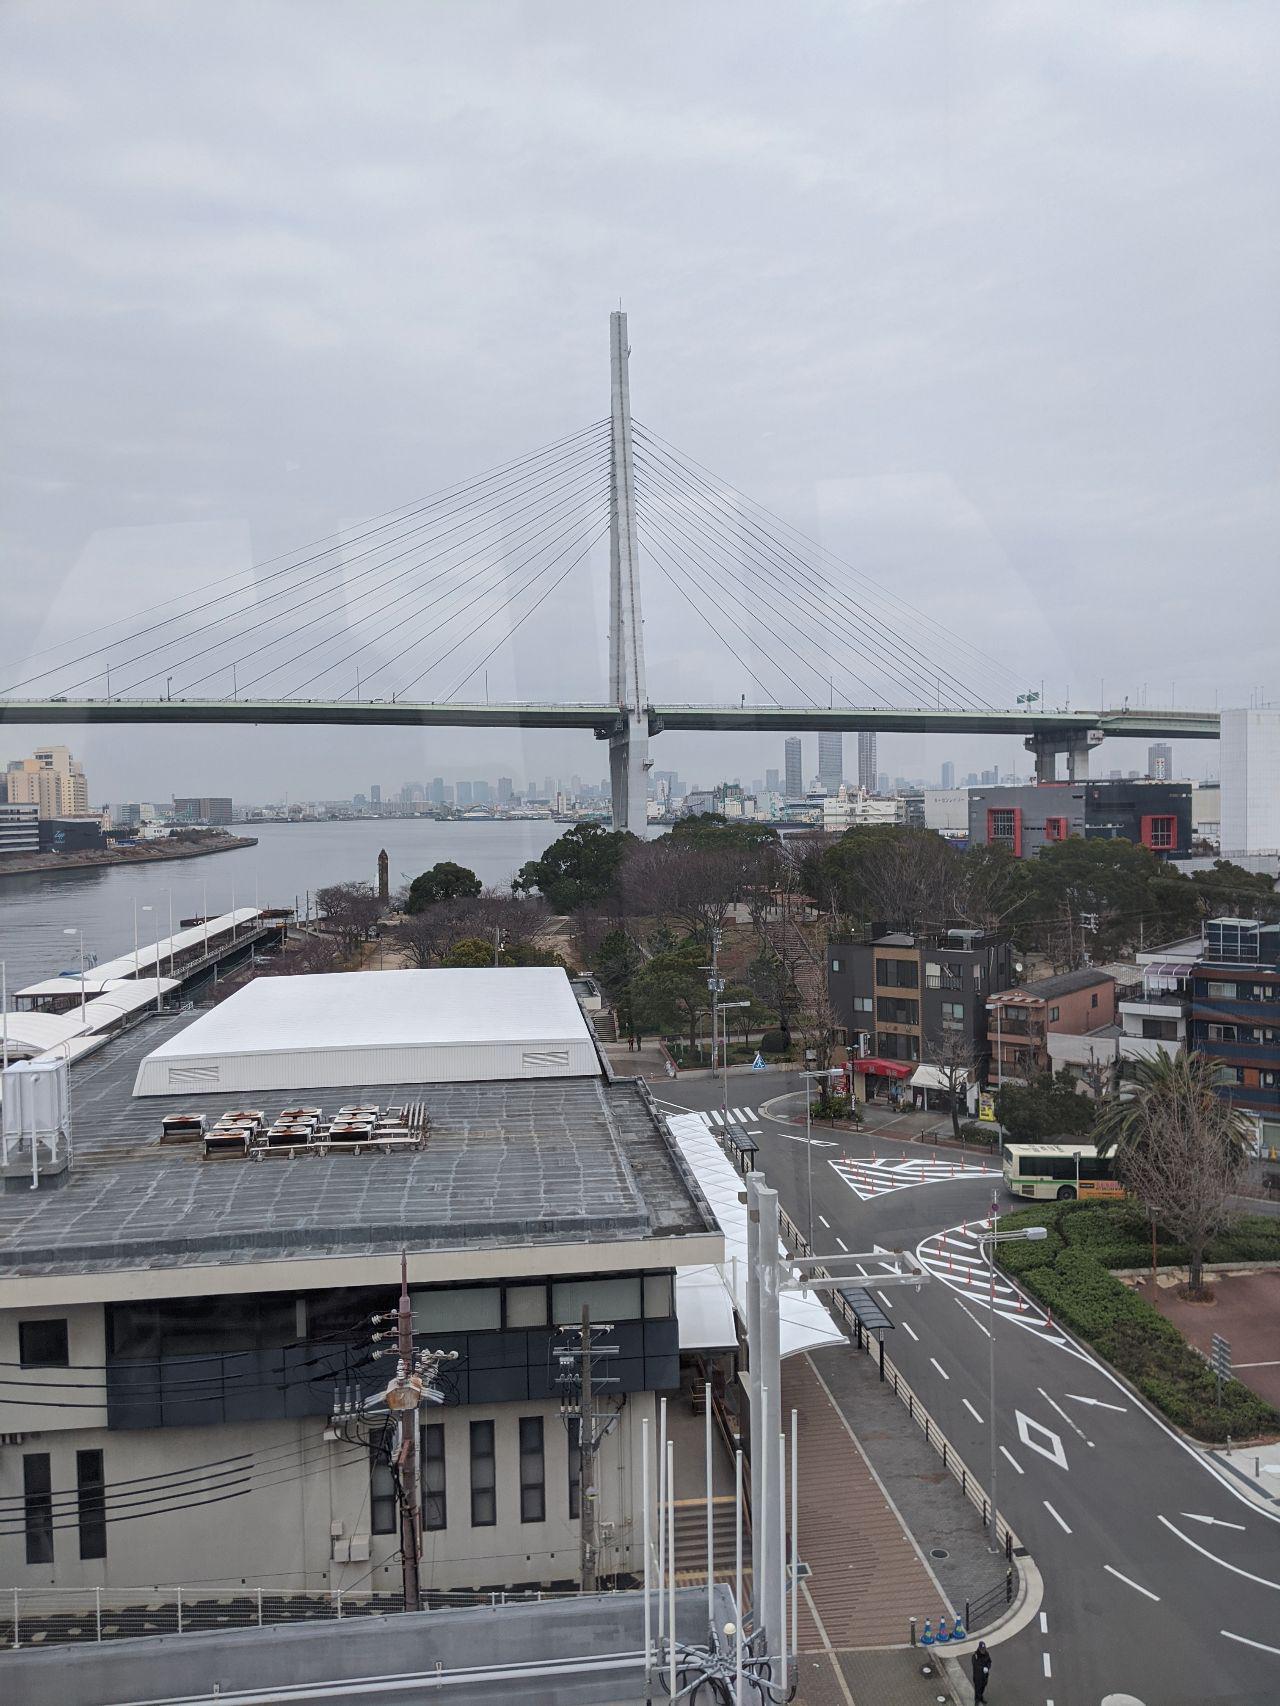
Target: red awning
(884,1068)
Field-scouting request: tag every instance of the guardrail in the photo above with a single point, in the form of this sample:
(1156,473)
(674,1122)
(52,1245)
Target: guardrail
(52,1616)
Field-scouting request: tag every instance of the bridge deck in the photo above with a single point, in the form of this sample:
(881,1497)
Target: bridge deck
(603,720)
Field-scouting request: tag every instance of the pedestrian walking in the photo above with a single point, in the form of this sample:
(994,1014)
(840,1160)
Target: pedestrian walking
(981,1671)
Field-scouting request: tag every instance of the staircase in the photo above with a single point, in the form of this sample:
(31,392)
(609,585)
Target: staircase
(691,1541)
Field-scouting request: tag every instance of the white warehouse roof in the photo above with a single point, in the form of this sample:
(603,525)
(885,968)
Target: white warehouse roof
(379,1027)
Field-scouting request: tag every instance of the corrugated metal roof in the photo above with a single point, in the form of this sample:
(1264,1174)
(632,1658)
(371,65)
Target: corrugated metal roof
(102,976)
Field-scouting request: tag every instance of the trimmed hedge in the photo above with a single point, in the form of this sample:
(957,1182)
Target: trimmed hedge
(1069,1273)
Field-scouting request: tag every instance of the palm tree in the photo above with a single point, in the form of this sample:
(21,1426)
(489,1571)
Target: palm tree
(1161,1084)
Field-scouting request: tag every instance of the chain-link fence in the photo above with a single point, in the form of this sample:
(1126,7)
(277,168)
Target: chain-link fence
(32,1617)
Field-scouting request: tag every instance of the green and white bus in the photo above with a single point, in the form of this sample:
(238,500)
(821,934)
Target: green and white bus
(1061,1170)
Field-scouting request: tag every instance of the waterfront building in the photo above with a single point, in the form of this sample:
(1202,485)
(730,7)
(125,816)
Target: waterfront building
(19,828)
(793,767)
(210,809)
(52,780)
(1026,817)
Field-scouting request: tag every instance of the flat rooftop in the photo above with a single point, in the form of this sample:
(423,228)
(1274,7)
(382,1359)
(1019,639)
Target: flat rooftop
(365,1028)
(507,1162)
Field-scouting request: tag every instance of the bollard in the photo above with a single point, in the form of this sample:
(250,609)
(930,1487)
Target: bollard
(97,1613)
(913,1631)
(179,1611)
(16,1639)
(967,1619)
(259,1608)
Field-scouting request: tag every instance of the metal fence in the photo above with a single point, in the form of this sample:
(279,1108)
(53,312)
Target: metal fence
(31,1617)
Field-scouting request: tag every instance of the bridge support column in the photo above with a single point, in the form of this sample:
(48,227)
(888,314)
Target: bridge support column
(629,744)
(1075,743)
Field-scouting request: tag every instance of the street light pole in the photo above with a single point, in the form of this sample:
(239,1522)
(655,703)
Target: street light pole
(808,1137)
(988,1241)
(67,931)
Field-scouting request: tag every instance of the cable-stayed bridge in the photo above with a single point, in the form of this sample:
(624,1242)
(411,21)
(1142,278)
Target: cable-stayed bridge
(389,623)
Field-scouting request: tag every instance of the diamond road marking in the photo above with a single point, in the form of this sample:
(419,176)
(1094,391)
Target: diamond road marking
(1027,1425)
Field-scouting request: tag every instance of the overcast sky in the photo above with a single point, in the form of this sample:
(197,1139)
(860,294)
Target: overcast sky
(983,296)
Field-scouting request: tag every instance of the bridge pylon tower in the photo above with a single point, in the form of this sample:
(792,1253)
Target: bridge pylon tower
(629,745)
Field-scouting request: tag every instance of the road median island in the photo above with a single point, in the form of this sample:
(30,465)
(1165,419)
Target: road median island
(1070,1272)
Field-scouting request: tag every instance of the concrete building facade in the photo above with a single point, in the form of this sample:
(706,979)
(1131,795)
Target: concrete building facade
(793,768)
(1250,760)
(868,778)
(830,760)
(51,780)
(1021,1020)
(1024,818)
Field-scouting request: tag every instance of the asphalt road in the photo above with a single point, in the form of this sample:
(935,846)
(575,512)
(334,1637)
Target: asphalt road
(1161,1580)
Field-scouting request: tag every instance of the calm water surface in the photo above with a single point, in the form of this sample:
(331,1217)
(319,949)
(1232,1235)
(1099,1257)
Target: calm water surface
(289,860)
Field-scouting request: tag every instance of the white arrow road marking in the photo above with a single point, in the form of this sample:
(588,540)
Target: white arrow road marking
(942,1371)
(1217,1521)
(1246,1642)
(1214,1559)
(1053,1513)
(1013,1459)
(1098,1403)
(908,1328)
(972,1280)
(1066,1418)
(969,1407)
(1130,1584)
(1053,1450)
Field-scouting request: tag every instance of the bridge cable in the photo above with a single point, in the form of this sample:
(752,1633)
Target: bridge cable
(655,555)
(812,577)
(716,567)
(549,456)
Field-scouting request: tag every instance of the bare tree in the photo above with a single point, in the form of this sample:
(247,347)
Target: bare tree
(1185,1168)
(350,910)
(428,936)
(912,881)
(694,885)
(816,1019)
(958,1058)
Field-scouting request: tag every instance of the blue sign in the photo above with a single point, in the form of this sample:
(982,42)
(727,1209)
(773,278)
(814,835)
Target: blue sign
(759,1064)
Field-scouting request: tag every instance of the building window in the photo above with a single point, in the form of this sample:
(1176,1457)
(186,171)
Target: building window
(1269,1080)
(862,1004)
(526,1305)
(533,1476)
(1004,828)
(382,1493)
(91,1504)
(835,965)
(575,1469)
(1160,834)
(617,1299)
(1053,1014)
(42,1344)
(1229,1075)
(1093,999)
(434,1509)
(1222,1033)
(658,1303)
(1222,991)
(952,1013)
(1056,828)
(458,1309)
(37,1502)
(484,1476)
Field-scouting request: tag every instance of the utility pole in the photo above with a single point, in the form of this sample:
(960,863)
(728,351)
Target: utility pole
(413,1383)
(578,1382)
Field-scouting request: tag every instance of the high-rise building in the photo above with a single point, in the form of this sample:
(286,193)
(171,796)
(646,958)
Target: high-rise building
(202,810)
(51,780)
(1250,781)
(464,794)
(793,766)
(506,790)
(1160,761)
(948,774)
(867,761)
(882,782)
(437,790)
(771,781)
(19,829)
(375,793)
(830,760)
(481,793)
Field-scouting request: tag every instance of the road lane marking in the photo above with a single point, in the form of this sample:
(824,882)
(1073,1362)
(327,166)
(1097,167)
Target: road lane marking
(908,1328)
(825,1221)
(1235,1569)
(1099,1404)
(1048,1667)
(1044,1622)
(1013,1459)
(973,1317)
(969,1407)
(942,1371)
(1053,1451)
(844,1247)
(1215,1521)
(884,1300)
(1273,1364)
(861,1269)
(1066,1418)
(1246,1642)
(1053,1513)
(1137,1586)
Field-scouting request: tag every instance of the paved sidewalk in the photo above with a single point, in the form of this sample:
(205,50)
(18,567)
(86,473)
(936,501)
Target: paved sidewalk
(868,1580)
(1245,1311)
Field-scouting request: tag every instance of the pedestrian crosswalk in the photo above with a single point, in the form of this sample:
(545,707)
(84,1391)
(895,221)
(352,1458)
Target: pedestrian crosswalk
(736,1116)
(957,1259)
(877,1177)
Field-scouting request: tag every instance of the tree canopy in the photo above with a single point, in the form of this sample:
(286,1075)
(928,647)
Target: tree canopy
(1048,1108)
(444,881)
(578,870)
